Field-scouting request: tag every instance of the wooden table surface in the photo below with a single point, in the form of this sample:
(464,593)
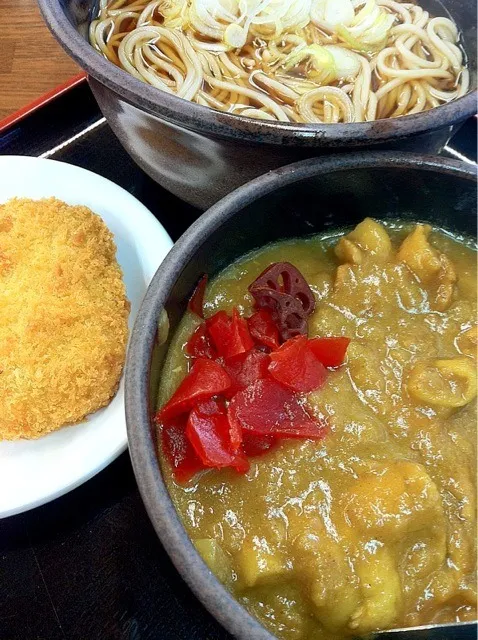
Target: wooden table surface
(31,61)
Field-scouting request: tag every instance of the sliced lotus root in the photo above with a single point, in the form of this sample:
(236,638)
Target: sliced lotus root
(283,290)
(287,312)
(284,277)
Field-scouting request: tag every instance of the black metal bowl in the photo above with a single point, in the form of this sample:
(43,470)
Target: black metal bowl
(200,154)
(300,199)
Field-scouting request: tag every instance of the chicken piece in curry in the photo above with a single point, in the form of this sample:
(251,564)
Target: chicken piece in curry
(372,526)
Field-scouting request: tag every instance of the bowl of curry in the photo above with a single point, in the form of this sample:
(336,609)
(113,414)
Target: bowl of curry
(301,401)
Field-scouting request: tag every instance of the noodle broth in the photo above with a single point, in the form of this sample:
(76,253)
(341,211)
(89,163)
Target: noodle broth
(322,61)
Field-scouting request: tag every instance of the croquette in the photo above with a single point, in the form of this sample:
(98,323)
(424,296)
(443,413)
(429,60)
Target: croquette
(63,316)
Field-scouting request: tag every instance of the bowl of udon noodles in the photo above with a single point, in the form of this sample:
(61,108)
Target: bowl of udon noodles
(207,94)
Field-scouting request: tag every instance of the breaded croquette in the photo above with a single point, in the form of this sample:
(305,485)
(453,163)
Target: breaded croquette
(63,316)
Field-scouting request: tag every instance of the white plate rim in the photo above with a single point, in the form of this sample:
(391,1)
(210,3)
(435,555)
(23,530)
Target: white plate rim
(25,164)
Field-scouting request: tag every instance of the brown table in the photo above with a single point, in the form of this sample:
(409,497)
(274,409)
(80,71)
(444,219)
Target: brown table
(31,61)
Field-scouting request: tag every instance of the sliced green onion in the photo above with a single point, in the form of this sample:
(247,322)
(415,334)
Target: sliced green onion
(329,63)
(347,63)
(369,29)
(330,13)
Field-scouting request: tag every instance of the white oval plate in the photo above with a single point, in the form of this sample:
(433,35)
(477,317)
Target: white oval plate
(33,472)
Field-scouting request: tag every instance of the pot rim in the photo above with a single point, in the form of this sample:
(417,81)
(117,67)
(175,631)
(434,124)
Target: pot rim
(214,596)
(204,119)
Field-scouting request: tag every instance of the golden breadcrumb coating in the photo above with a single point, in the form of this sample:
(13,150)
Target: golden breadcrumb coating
(63,316)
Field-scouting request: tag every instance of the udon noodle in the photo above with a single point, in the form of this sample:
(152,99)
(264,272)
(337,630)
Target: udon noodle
(302,61)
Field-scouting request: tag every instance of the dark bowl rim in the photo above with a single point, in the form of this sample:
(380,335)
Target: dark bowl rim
(197,117)
(153,490)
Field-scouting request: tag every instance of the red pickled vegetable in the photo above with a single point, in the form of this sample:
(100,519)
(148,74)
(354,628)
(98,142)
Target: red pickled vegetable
(208,432)
(178,450)
(295,366)
(218,327)
(287,312)
(283,290)
(284,277)
(330,351)
(240,328)
(230,335)
(211,407)
(196,301)
(254,445)
(246,368)
(207,378)
(199,344)
(215,406)
(268,408)
(263,329)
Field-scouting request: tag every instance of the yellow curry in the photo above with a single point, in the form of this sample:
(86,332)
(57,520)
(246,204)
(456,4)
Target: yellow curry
(375,525)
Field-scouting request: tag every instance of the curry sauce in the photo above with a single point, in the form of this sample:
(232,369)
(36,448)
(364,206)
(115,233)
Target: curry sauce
(375,525)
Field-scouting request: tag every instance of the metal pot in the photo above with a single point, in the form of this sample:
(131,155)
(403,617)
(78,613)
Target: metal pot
(307,197)
(200,154)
